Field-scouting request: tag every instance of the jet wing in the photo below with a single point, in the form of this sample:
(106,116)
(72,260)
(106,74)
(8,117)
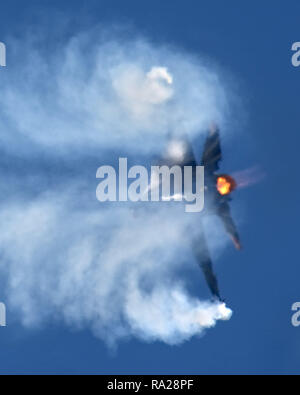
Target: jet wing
(204,260)
(212,153)
(189,159)
(225,214)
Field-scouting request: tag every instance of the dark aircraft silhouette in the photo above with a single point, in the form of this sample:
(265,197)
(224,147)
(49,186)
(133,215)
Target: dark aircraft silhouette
(218,188)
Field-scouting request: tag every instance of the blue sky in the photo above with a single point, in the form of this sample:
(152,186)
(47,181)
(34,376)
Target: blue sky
(252,42)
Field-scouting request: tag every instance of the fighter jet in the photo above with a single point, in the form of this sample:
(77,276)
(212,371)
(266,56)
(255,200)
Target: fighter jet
(218,190)
(219,187)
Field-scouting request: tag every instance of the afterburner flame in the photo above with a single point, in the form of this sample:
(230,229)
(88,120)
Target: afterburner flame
(225,185)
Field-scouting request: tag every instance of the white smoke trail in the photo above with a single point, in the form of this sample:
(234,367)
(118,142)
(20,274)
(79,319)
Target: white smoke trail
(172,315)
(109,268)
(129,94)
(104,269)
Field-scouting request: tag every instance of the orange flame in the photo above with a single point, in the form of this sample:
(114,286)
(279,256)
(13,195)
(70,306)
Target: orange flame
(225,185)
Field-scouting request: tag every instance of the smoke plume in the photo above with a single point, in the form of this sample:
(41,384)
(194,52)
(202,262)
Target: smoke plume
(115,269)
